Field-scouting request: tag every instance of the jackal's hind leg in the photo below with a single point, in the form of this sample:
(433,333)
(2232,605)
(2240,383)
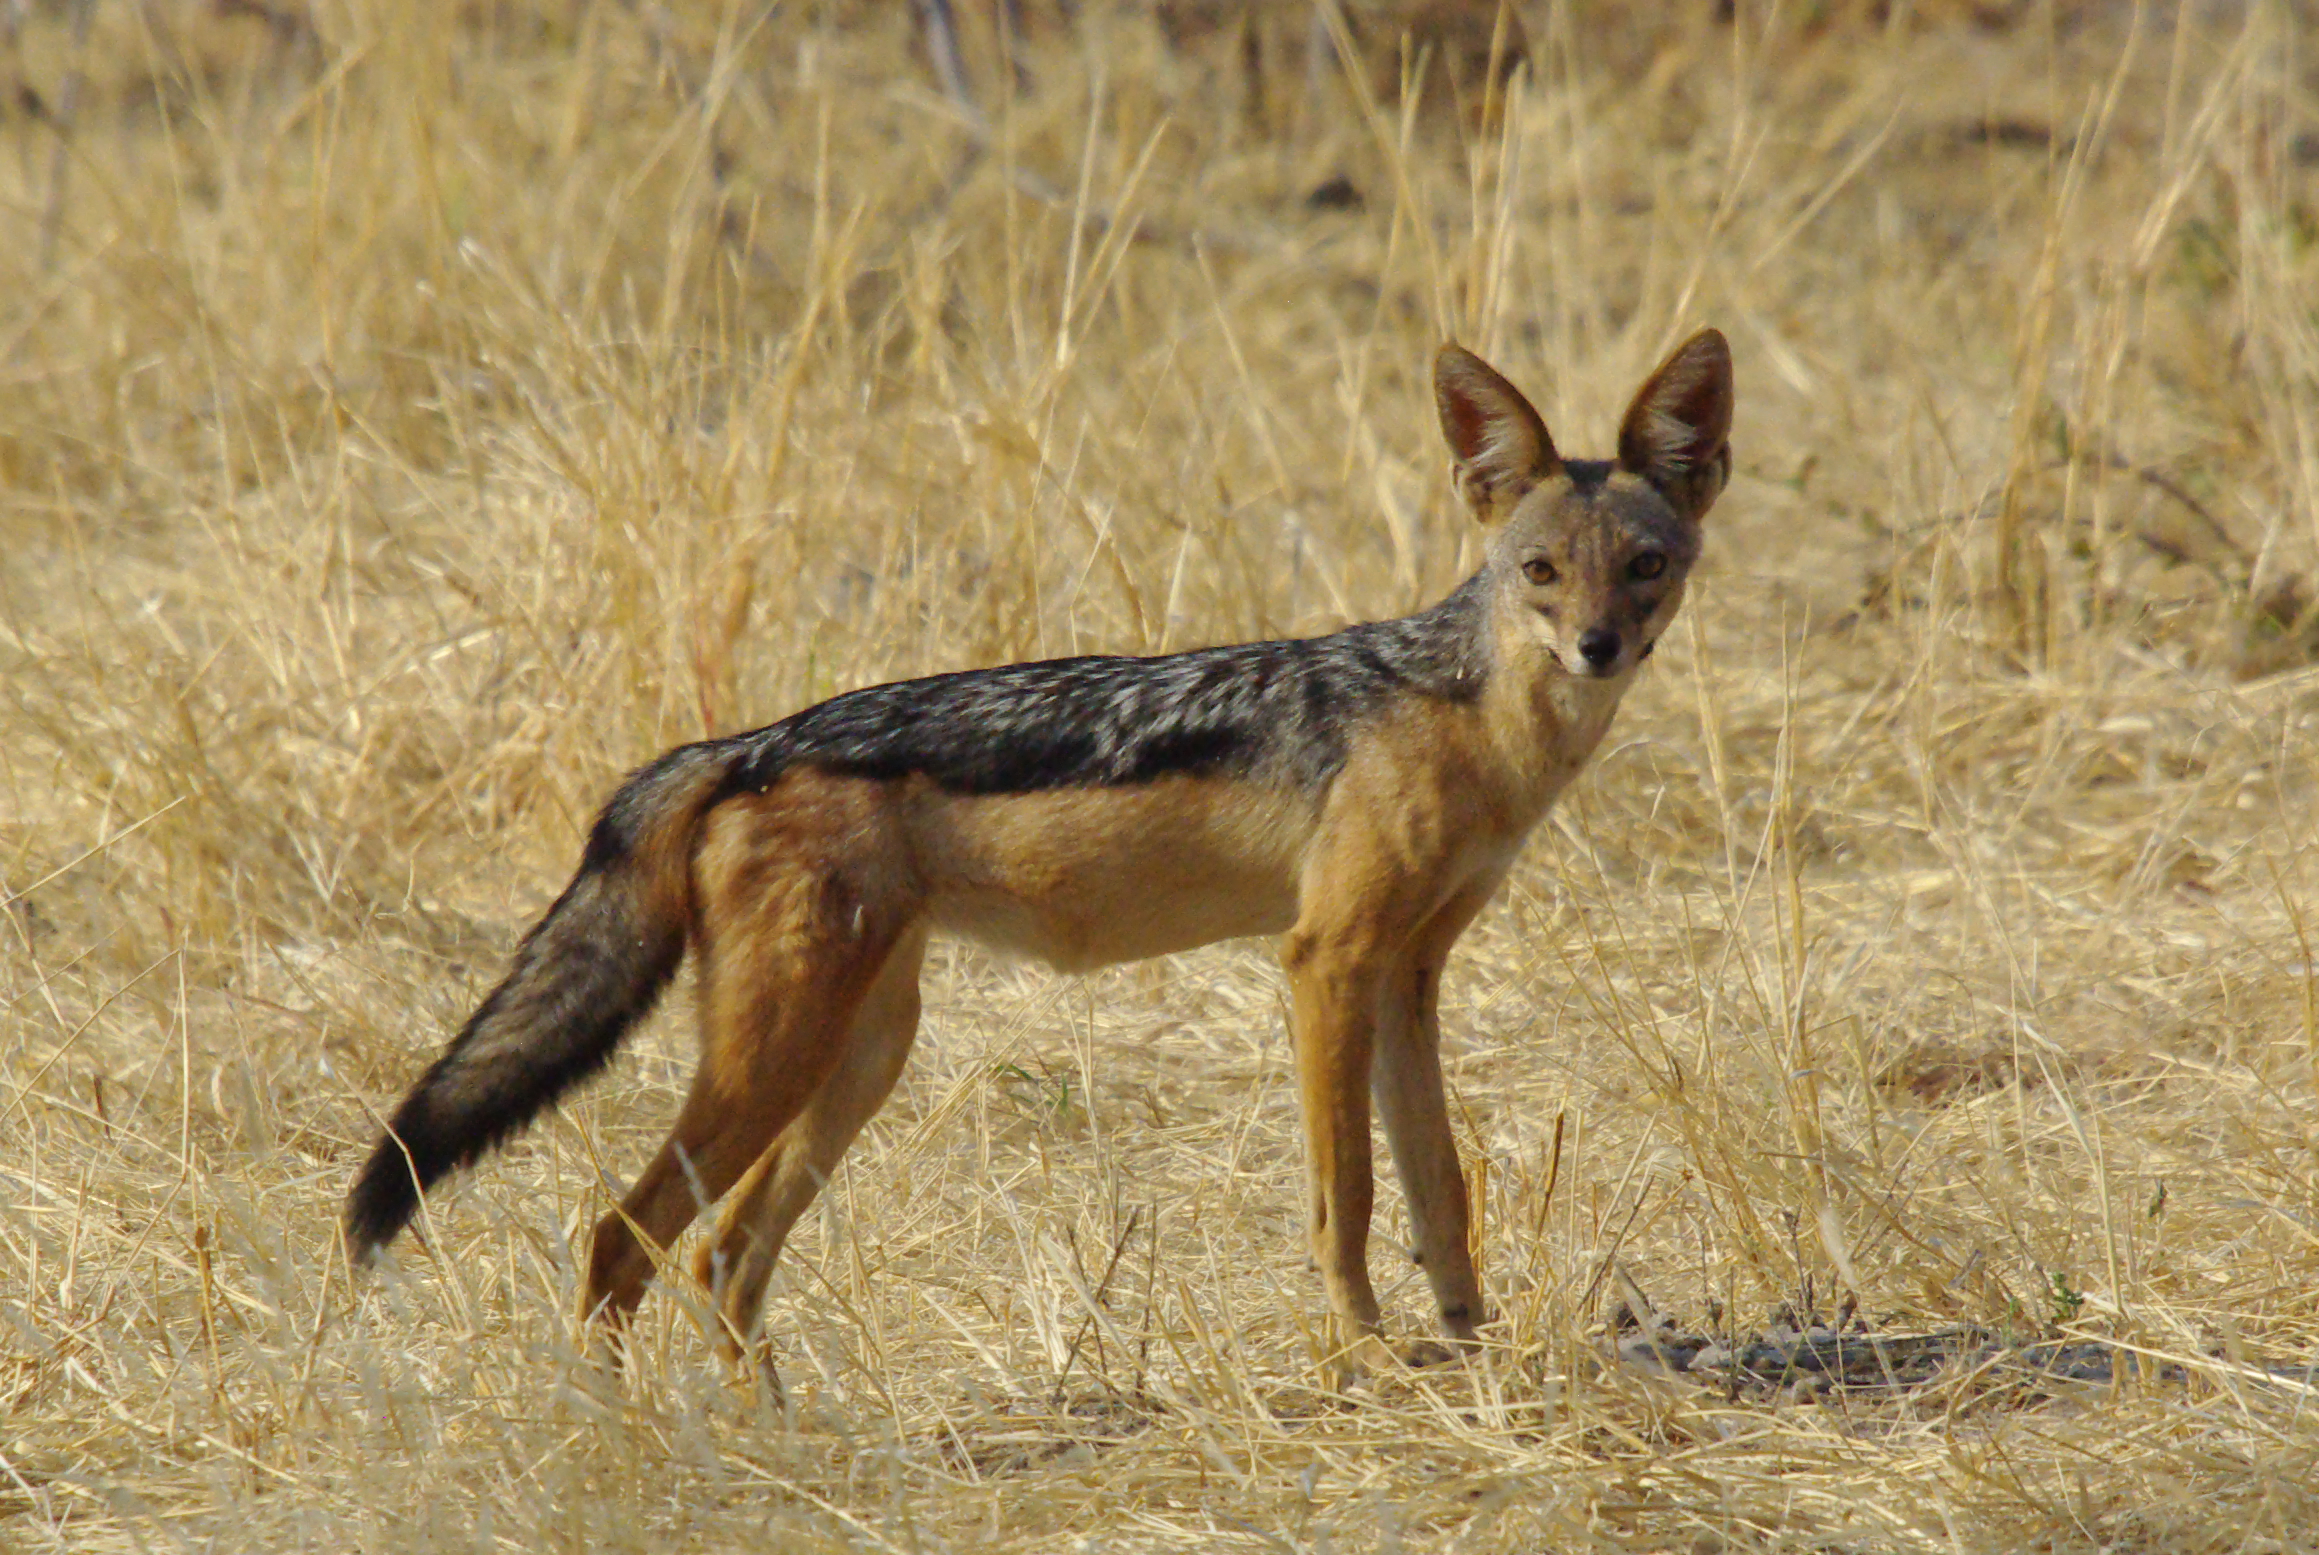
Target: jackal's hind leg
(780,988)
(795,1168)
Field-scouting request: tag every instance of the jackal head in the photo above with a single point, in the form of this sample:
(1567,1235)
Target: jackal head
(1591,554)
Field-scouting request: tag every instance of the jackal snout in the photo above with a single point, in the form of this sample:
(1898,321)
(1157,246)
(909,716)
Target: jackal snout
(1599,646)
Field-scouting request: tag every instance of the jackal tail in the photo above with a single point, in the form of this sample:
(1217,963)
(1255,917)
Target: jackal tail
(584,975)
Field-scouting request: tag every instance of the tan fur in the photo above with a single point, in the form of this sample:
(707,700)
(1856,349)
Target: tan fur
(811,902)
(1082,878)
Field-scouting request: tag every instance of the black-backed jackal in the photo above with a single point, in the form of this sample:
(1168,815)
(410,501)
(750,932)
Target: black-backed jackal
(1359,795)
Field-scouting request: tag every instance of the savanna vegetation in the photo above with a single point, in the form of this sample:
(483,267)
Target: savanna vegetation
(413,415)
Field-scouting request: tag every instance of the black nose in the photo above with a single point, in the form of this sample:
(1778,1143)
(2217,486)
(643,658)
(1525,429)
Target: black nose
(1598,647)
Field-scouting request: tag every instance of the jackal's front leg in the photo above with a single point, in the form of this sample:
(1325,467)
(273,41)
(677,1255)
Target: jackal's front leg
(1335,987)
(1415,1112)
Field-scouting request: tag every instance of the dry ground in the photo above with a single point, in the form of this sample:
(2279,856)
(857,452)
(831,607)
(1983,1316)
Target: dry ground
(413,415)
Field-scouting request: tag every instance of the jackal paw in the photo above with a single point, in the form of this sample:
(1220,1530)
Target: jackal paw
(1349,1364)
(750,1370)
(1420,1353)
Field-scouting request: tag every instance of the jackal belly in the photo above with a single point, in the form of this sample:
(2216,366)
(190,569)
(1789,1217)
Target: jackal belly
(1084,877)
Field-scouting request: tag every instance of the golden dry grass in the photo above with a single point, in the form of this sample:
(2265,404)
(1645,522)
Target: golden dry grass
(415,416)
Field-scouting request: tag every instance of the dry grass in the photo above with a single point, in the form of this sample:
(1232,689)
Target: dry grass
(425,414)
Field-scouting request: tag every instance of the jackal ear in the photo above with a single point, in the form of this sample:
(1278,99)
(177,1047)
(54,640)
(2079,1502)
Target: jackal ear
(1677,434)
(1499,444)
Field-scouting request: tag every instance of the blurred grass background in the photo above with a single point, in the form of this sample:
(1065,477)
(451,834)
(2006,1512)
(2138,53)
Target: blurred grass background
(414,415)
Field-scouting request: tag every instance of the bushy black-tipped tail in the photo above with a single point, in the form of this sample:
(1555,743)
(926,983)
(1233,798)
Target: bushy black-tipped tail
(586,973)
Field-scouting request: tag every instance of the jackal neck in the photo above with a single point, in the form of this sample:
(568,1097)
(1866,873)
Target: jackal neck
(1443,651)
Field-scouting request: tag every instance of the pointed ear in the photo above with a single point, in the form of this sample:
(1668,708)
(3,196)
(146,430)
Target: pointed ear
(1499,445)
(1677,434)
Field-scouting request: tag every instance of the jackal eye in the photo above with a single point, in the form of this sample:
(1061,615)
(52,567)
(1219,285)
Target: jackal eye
(1539,571)
(1648,565)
